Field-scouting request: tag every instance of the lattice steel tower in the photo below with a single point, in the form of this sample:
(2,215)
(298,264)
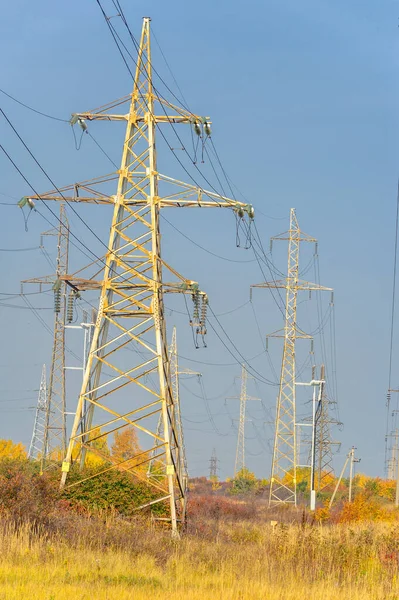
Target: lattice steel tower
(131,307)
(239,464)
(213,465)
(175,373)
(284,461)
(36,448)
(240,451)
(323,440)
(55,435)
(181,447)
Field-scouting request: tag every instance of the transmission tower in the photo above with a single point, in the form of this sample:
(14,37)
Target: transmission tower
(55,437)
(323,441)
(240,451)
(175,373)
(180,447)
(213,465)
(284,462)
(131,311)
(391,442)
(392,462)
(36,448)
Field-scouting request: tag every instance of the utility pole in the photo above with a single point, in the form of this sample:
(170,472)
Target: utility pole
(284,461)
(340,478)
(213,465)
(315,410)
(87,328)
(240,451)
(55,436)
(349,457)
(353,460)
(131,306)
(36,447)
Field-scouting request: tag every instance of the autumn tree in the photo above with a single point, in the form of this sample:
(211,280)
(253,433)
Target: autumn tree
(244,482)
(100,450)
(126,447)
(8,449)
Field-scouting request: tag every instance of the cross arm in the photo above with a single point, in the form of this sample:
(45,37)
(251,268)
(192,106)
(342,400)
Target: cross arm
(193,196)
(184,195)
(180,115)
(284,283)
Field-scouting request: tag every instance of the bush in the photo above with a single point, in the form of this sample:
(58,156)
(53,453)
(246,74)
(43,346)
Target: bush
(219,507)
(24,494)
(114,489)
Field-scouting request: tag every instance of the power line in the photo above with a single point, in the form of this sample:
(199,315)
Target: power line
(260,377)
(102,149)
(19,249)
(202,247)
(33,109)
(52,182)
(44,203)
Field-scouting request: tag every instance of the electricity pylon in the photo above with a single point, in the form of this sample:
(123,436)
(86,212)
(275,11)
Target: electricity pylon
(284,462)
(239,464)
(131,306)
(392,462)
(55,435)
(323,441)
(213,465)
(36,447)
(175,373)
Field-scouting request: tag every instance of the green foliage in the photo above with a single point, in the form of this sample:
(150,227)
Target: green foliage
(302,486)
(113,489)
(244,482)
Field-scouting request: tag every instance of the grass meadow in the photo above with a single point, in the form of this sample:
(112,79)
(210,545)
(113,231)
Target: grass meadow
(104,559)
(93,545)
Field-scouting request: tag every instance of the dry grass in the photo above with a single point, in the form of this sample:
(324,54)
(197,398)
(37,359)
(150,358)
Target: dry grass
(113,559)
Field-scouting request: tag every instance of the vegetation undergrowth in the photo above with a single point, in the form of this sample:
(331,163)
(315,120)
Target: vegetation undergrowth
(91,543)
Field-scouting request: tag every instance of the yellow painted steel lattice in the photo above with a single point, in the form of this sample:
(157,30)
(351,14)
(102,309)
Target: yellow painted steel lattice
(128,377)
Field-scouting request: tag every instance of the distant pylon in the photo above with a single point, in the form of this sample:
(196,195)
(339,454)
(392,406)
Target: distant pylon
(55,436)
(324,443)
(284,462)
(213,465)
(240,450)
(180,446)
(174,375)
(392,462)
(392,444)
(36,447)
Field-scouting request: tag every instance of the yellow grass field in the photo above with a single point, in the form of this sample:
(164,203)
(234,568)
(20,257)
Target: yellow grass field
(241,562)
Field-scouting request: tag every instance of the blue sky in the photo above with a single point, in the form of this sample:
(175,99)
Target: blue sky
(303,99)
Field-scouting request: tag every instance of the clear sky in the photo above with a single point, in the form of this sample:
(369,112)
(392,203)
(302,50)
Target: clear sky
(303,98)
